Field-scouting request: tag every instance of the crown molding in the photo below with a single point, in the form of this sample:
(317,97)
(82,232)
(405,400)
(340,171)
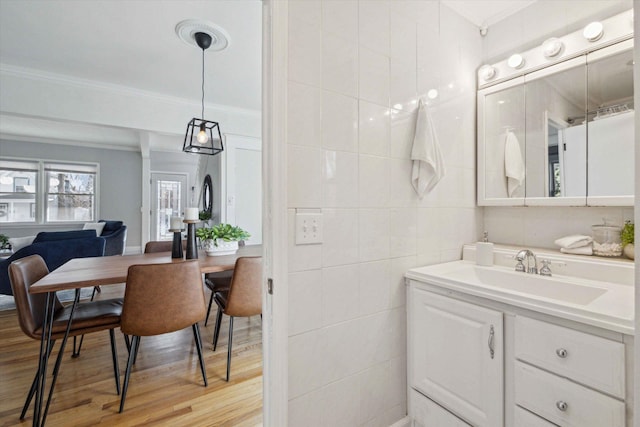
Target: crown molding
(65,141)
(63,79)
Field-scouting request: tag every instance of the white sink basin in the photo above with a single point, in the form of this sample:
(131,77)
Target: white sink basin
(557,288)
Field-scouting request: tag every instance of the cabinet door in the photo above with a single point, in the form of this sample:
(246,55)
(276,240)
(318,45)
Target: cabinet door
(456,356)
(426,413)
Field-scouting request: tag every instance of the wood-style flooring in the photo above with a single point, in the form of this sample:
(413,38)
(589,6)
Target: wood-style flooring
(165,389)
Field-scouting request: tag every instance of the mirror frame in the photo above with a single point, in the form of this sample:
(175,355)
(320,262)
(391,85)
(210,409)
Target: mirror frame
(482,199)
(207,195)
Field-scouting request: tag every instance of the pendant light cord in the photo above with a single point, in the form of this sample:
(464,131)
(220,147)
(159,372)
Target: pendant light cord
(202,84)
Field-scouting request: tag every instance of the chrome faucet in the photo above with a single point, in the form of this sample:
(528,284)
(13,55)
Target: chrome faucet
(526,254)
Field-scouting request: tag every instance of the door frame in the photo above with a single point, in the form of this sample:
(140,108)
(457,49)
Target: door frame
(274,212)
(153,198)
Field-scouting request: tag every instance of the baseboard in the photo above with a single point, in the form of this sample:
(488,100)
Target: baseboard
(405,422)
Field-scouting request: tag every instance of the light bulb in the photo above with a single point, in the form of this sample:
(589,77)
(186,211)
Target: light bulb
(551,47)
(202,136)
(594,31)
(515,61)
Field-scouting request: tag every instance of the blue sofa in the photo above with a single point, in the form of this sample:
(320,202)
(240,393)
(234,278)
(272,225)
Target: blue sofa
(115,234)
(55,248)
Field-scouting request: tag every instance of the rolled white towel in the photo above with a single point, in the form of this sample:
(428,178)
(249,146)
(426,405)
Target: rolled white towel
(574,241)
(583,250)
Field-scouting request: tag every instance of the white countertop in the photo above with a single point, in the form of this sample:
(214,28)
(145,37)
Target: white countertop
(608,305)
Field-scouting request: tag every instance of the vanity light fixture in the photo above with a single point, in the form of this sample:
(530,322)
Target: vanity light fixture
(199,137)
(552,47)
(594,31)
(487,72)
(515,61)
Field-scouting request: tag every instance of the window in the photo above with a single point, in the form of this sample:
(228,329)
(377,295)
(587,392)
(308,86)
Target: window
(44,192)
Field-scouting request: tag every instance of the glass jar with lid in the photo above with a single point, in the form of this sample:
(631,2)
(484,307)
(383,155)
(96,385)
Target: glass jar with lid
(606,240)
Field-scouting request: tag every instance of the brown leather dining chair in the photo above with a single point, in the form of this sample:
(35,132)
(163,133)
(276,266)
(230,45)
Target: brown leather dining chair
(88,317)
(156,246)
(158,299)
(243,299)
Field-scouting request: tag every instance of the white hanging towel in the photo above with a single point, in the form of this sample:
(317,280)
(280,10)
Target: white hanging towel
(513,163)
(428,165)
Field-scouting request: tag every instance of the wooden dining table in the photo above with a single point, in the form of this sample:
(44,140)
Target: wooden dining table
(88,272)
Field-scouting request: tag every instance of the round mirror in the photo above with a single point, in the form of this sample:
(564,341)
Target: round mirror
(207,195)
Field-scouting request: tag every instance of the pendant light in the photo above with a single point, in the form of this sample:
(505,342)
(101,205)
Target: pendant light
(202,136)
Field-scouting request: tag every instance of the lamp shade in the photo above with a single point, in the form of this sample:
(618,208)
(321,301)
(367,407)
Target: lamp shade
(211,145)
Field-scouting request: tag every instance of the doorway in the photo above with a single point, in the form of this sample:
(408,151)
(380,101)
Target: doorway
(169,197)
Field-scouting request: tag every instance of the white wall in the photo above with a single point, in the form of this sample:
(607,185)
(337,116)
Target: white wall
(349,61)
(540,226)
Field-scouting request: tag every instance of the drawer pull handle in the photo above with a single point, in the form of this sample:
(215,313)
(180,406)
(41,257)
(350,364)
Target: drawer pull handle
(490,342)
(562,405)
(562,353)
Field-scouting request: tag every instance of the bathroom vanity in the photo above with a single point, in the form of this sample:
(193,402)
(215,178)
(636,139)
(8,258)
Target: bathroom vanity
(492,347)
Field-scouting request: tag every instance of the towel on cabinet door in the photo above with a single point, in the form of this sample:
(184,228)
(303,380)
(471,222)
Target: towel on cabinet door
(428,164)
(513,163)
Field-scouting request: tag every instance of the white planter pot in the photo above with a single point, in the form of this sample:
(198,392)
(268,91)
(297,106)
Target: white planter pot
(223,248)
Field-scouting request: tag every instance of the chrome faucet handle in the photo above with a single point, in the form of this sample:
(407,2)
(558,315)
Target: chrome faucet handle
(520,266)
(545,270)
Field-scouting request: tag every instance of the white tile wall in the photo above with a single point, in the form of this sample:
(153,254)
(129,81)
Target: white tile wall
(347,317)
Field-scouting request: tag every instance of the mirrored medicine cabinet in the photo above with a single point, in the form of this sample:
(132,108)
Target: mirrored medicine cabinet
(562,135)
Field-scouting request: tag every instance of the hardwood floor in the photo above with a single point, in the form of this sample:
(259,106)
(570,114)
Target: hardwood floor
(166,386)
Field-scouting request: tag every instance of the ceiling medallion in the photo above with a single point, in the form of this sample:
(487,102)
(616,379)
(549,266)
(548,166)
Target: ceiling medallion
(187,29)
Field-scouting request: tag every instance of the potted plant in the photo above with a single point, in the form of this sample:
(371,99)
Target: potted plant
(627,239)
(5,246)
(221,239)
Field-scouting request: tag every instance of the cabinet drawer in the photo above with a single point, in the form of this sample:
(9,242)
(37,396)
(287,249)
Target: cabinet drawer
(426,413)
(564,402)
(524,418)
(587,359)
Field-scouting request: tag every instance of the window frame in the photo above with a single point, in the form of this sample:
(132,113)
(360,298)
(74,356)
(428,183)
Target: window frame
(41,202)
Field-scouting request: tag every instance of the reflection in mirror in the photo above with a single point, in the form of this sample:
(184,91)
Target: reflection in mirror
(555,143)
(611,125)
(567,158)
(504,117)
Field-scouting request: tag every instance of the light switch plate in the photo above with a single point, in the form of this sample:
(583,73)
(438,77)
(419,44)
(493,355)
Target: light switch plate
(308,228)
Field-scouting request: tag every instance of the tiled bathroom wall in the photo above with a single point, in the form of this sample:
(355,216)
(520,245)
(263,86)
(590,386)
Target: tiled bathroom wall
(540,226)
(356,70)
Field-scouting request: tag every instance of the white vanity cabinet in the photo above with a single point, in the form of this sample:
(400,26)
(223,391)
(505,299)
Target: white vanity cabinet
(477,362)
(455,359)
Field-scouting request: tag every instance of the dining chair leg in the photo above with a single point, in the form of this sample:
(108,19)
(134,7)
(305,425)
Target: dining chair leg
(209,309)
(197,338)
(114,356)
(135,350)
(76,352)
(134,344)
(95,289)
(216,330)
(229,346)
(127,343)
(34,385)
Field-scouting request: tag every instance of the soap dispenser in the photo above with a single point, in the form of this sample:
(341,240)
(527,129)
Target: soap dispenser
(484,251)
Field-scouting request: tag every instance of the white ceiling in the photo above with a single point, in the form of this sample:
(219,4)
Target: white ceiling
(133,43)
(487,12)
